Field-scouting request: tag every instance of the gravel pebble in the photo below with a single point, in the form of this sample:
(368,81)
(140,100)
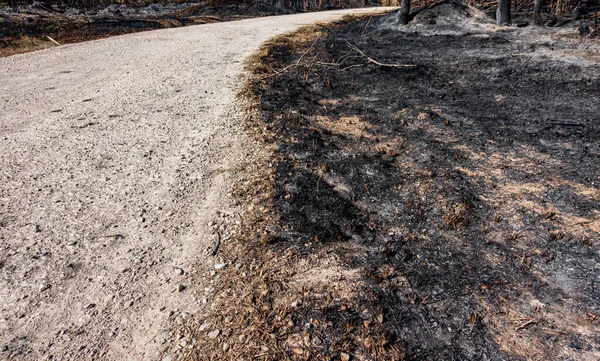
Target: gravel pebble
(44,287)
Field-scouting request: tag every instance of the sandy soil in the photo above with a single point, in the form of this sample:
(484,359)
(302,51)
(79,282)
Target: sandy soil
(115,157)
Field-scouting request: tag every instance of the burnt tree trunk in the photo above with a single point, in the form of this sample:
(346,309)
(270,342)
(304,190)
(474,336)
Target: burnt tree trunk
(537,17)
(404,11)
(503,13)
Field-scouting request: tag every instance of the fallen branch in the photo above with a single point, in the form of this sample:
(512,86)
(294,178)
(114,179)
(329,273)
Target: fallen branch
(373,61)
(296,63)
(51,10)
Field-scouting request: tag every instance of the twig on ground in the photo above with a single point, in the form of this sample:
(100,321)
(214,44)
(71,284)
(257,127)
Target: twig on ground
(366,26)
(373,61)
(525,324)
(353,66)
(581,223)
(213,252)
(54,41)
(296,63)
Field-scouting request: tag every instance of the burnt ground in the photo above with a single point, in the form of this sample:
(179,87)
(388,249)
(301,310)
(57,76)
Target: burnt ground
(27,29)
(444,211)
(33,27)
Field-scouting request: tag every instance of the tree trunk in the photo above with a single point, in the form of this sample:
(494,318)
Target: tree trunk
(537,17)
(403,13)
(503,13)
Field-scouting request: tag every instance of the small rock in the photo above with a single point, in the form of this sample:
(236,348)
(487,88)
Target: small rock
(238,265)
(179,271)
(205,326)
(180,288)
(44,287)
(90,305)
(4,348)
(214,334)
(162,308)
(225,347)
(344,356)
(220,265)
(212,273)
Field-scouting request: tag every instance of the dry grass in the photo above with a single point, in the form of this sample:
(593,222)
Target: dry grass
(24,44)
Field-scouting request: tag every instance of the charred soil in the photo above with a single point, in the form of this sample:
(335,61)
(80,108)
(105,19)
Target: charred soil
(434,195)
(33,28)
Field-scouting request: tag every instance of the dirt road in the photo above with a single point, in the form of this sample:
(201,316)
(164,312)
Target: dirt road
(115,155)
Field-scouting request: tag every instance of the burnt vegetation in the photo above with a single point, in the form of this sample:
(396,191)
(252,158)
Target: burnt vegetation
(27,25)
(32,25)
(442,210)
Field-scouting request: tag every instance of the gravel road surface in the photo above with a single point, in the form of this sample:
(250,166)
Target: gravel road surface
(115,155)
